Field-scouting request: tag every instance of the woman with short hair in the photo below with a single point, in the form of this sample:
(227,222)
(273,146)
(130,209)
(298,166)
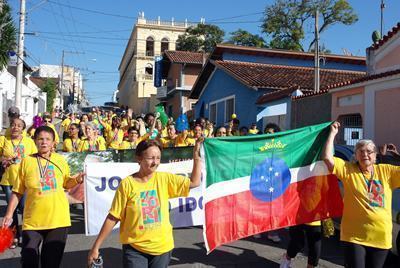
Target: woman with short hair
(366,226)
(141,205)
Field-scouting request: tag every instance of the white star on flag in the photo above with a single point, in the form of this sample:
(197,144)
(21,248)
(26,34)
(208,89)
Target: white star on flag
(276,174)
(271,189)
(270,169)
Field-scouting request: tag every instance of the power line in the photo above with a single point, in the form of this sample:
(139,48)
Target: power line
(94,11)
(238,16)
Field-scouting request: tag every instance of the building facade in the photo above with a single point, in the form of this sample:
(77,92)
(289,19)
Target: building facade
(70,83)
(257,84)
(180,70)
(368,107)
(149,38)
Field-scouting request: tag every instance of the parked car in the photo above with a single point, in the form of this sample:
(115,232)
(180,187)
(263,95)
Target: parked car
(346,153)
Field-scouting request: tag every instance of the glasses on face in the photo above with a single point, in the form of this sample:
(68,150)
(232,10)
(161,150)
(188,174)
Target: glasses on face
(368,152)
(221,133)
(47,121)
(133,133)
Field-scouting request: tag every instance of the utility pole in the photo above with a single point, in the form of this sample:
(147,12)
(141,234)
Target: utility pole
(316,54)
(20,56)
(382,8)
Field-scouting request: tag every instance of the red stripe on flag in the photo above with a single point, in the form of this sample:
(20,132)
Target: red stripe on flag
(240,215)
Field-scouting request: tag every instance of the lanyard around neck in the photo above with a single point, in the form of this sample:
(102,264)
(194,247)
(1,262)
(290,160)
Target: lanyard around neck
(42,170)
(368,181)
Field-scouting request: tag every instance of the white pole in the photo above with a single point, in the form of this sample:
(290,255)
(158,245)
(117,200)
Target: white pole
(316,54)
(20,57)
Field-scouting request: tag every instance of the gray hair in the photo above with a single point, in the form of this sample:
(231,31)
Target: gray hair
(359,145)
(91,125)
(362,143)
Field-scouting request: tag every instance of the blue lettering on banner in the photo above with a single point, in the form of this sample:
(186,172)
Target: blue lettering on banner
(189,204)
(112,183)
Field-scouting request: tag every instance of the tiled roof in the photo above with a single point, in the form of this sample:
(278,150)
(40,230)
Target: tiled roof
(220,49)
(351,82)
(385,38)
(311,93)
(282,77)
(364,79)
(186,57)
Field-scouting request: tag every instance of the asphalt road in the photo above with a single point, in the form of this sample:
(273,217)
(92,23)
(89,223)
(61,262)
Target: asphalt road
(189,250)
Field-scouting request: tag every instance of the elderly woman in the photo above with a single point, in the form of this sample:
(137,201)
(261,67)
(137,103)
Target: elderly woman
(141,205)
(366,227)
(93,142)
(43,177)
(12,150)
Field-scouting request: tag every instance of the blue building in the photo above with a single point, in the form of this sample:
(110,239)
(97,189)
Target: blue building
(258,84)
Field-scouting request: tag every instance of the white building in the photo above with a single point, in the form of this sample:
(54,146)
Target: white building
(33,99)
(71,91)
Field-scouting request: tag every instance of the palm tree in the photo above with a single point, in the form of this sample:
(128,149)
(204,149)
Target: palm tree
(7,33)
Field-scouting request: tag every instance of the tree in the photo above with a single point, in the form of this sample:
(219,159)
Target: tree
(245,38)
(203,37)
(284,21)
(49,87)
(7,34)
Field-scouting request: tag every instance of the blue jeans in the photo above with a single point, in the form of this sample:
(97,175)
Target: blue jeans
(20,208)
(132,258)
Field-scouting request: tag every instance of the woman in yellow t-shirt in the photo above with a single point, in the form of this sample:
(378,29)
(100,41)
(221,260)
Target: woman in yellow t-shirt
(133,139)
(93,142)
(43,177)
(13,149)
(366,226)
(113,133)
(71,144)
(141,205)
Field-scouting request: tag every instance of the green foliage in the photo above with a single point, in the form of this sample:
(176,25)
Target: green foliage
(50,88)
(245,38)
(203,37)
(376,36)
(285,20)
(7,34)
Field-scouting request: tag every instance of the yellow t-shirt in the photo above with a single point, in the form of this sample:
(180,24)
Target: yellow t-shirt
(46,205)
(99,145)
(367,221)
(71,145)
(67,121)
(143,210)
(113,138)
(179,141)
(15,148)
(56,137)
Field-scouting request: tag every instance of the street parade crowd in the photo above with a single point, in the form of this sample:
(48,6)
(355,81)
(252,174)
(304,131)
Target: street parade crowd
(35,178)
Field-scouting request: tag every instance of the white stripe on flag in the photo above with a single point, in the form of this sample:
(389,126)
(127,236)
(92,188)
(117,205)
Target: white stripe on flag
(230,187)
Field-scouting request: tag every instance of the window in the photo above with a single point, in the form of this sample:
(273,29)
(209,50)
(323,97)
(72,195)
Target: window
(164,44)
(213,112)
(229,108)
(148,70)
(351,130)
(150,46)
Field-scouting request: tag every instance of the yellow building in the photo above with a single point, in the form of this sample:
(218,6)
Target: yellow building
(149,38)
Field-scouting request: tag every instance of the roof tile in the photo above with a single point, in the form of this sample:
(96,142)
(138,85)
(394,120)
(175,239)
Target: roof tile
(285,79)
(186,57)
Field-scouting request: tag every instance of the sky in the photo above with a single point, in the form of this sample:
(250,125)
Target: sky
(94,33)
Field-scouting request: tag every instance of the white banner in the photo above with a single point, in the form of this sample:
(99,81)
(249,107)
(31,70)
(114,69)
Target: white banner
(102,180)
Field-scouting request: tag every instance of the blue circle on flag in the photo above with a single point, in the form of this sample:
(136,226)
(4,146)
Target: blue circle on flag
(269,179)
